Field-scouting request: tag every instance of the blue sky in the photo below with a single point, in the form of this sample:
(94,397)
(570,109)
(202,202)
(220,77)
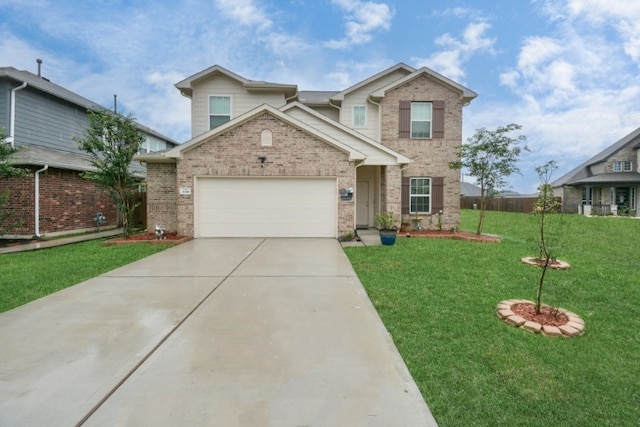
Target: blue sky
(568,71)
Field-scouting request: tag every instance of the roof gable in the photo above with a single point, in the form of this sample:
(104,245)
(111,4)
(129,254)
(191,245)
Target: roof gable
(186,86)
(467,94)
(398,67)
(581,171)
(362,139)
(178,151)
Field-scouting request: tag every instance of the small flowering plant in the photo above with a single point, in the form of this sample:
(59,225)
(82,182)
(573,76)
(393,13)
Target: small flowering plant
(439,219)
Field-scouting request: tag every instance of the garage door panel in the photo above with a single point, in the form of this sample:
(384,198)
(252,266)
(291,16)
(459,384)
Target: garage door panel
(266,207)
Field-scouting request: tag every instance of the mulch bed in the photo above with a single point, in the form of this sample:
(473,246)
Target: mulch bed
(453,235)
(548,316)
(170,239)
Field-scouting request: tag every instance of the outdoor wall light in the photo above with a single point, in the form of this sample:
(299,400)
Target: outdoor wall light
(346,193)
(262,159)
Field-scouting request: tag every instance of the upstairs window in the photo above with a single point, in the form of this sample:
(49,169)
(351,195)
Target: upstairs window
(359,116)
(421,119)
(219,110)
(625,166)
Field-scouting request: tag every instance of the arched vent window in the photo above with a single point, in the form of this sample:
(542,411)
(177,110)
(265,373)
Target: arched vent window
(267,138)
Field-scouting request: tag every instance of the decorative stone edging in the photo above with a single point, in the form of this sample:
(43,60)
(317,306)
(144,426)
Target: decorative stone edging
(574,327)
(557,265)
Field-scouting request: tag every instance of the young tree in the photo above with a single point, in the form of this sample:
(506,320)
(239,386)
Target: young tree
(546,204)
(111,141)
(490,156)
(7,170)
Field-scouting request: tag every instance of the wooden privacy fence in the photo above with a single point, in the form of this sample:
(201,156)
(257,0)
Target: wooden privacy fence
(502,204)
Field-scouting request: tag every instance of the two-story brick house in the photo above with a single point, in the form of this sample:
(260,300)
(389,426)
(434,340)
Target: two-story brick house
(42,119)
(268,160)
(605,184)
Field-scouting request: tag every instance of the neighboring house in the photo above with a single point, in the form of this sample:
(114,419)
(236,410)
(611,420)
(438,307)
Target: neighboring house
(42,119)
(267,160)
(607,183)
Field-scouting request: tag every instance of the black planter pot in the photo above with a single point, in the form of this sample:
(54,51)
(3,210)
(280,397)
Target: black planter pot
(388,237)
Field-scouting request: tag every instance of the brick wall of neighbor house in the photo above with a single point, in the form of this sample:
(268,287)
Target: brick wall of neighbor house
(68,203)
(431,157)
(293,153)
(162,196)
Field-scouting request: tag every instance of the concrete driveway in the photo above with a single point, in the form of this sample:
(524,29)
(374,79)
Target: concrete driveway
(213,332)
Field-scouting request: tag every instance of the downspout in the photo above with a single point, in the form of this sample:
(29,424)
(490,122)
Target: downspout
(370,99)
(331,104)
(286,100)
(12,123)
(37,200)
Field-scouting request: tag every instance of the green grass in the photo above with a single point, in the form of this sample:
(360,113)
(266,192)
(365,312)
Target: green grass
(437,298)
(26,276)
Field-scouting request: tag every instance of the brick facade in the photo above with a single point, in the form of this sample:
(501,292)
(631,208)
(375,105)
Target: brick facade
(430,157)
(162,196)
(68,203)
(293,153)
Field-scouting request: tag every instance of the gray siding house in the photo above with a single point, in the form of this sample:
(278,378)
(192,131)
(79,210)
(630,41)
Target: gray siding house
(607,183)
(42,119)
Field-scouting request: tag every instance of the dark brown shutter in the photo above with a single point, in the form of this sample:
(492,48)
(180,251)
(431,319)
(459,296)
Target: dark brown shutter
(438,119)
(405,119)
(437,194)
(404,195)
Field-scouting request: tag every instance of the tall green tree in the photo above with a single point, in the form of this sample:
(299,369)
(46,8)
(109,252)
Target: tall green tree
(111,140)
(7,170)
(490,156)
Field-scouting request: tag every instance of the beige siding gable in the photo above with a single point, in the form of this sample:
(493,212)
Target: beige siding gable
(360,96)
(241,100)
(374,155)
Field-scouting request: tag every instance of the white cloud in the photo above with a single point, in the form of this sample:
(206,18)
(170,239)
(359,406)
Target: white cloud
(363,19)
(245,12)
(458,50)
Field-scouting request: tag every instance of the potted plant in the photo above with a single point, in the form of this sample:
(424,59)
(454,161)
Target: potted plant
(388,231)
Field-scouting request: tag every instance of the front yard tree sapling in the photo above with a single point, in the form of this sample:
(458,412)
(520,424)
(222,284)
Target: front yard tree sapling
(546,205)
(490,156)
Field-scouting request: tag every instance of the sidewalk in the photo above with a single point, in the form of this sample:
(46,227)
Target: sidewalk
(60,241)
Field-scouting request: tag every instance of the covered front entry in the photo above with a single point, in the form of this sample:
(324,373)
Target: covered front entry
(266,207)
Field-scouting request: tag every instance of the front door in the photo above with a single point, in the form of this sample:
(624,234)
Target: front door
(362,204)
(622,195)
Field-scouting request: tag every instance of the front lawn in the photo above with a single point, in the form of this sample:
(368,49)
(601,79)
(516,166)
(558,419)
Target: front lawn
(437,298)
(26,276)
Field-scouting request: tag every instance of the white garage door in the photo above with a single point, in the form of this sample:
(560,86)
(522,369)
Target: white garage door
(266,207)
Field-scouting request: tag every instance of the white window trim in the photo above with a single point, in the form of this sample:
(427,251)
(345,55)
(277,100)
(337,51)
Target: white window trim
(411,121)
(353,116)
(617,167)
(411,196)
(219,115)
(624,166)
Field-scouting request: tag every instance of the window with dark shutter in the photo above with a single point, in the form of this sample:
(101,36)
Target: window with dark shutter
(437,190)
(405,119)
(405,195)
(438,119)
(435,122)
